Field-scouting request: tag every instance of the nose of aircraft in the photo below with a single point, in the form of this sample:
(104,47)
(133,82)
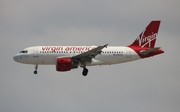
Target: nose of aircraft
(15,58)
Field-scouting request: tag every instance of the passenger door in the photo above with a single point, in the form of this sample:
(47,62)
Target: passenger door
(35,52)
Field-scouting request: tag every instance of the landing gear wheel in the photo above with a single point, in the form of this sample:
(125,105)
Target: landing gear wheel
(36,67)
(35,72)
(85,72)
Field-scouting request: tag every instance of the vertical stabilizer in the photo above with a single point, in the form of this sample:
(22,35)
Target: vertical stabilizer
(148,36)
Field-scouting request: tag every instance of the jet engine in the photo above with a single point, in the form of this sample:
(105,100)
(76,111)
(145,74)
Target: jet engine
(63,64)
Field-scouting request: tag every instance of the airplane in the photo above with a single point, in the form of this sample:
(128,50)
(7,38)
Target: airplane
(66,58)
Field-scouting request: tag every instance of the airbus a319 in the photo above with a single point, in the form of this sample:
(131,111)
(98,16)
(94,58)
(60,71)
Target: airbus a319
(66,58)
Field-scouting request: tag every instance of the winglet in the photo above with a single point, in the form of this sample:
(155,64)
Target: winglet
(106,45)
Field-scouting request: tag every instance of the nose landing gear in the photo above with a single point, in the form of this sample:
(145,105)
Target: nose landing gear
(35,71)
(36,67)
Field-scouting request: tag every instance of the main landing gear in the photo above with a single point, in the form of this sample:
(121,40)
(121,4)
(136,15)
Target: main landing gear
(85,71)
(36,67)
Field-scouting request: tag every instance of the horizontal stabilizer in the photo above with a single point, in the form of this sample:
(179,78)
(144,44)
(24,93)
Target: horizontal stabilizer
(149,51)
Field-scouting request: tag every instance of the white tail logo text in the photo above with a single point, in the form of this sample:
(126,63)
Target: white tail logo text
(143,41)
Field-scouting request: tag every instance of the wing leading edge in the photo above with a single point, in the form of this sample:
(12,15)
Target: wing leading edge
(87,56)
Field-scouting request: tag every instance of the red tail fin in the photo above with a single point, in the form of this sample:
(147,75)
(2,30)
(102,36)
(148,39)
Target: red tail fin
(148,37)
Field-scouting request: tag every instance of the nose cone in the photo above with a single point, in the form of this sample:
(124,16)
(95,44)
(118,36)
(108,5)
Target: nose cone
(15,58)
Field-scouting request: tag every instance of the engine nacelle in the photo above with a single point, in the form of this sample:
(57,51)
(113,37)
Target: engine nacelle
(63,64)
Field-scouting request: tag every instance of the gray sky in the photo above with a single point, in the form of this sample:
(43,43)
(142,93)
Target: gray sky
(148,85)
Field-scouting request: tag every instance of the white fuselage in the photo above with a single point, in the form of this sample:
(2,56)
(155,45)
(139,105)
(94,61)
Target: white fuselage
(70,57)
(47,55)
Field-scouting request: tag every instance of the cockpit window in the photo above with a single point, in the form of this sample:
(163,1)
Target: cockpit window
(24,51)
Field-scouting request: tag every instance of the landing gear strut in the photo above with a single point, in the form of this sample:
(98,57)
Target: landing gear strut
(85,71)
(36,67)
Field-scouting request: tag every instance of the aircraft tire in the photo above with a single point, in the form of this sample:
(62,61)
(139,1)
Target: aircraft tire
(85,72)
(35,72)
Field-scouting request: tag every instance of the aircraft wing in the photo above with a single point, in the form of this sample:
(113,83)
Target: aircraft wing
(87,56)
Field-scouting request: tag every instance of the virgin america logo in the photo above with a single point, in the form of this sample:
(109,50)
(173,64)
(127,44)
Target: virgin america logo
(144,40)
